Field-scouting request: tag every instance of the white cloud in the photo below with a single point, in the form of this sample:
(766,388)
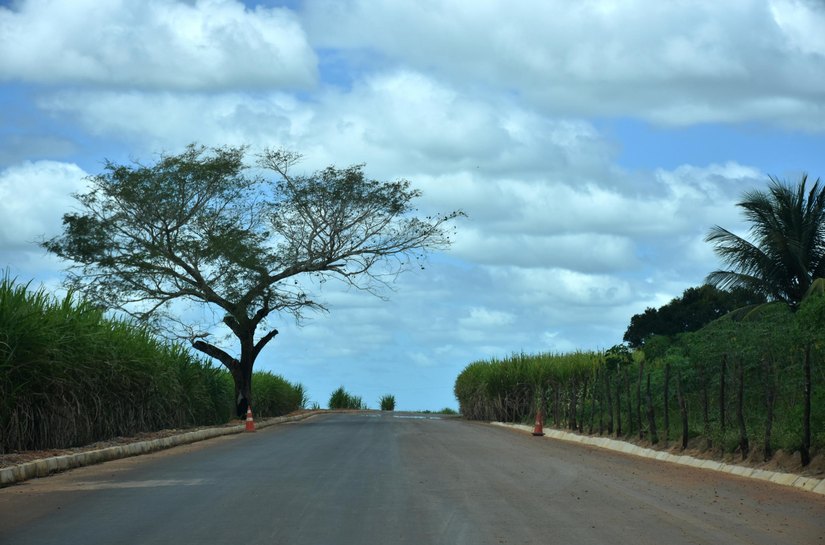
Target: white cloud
(801,23)
(670,63)
(399,123)
(494,107)
(206,44)
(562,287)
(589,252)
(480,317)
(161,121)
(33,199)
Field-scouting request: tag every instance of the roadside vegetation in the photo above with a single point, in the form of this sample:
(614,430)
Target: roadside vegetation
(387,402)
(735,366)
(69,376)
(735,386)
(445,411)
(341,399)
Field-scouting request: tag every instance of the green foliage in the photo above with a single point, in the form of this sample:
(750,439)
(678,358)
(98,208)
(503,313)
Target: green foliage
(197,226)
(762,346)
(511,389)
(341,399)
(69,376)
(786,252)
(447,411)
(695,308)
(387,402)
(275,396)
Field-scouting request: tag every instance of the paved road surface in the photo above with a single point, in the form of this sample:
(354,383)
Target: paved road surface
(384,479)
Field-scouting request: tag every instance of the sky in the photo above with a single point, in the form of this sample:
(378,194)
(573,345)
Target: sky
(591,144)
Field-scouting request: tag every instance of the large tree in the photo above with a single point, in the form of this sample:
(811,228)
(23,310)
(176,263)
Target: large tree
(206,227)
(786,253)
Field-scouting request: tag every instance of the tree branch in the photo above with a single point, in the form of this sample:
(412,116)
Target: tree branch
(263,342)
(213,351)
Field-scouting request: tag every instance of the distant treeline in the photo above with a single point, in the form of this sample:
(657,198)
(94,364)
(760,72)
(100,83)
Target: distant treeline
(70,376)
(749,382)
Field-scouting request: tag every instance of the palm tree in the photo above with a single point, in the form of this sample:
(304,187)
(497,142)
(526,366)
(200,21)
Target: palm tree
(788,250)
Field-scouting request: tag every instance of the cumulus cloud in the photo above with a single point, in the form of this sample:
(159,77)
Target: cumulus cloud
(483,318)
(33,198)
(496,108)
(670,63)
(801,22)
(399,123)
(162,121)
(588,252)
(167,44)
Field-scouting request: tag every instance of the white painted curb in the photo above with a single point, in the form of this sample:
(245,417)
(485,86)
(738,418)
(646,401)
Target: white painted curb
(817,486)
(47,466)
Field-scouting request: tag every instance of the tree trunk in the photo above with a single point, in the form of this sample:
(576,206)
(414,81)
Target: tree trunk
(744,447)
(241,379)
(805,449)
(243,388)
(241,370)
(651,417)
(682,410)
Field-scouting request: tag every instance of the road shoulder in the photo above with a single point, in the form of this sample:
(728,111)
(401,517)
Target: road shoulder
(810,484)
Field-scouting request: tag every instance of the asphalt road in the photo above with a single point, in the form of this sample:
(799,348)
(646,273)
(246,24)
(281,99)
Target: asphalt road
(389,479)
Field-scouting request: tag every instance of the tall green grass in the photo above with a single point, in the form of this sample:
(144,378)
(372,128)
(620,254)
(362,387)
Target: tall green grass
(683,390)
(70,376)
(341,399)
(275,396)
(387,402)
(511,389)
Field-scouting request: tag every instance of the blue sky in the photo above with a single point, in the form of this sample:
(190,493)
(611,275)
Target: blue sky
(592,145)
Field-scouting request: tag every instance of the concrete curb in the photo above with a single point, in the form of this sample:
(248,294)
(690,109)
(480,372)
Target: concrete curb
(817,486)
(46,466)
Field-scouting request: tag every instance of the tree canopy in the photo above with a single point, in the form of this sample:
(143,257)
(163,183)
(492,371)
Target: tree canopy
(786,253)
(207,227)
(694,309)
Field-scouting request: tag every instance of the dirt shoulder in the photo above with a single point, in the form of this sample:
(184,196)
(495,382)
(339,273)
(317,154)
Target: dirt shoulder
(22,457)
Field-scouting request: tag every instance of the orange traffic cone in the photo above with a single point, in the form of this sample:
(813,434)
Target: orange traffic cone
(250,424)
(539,430)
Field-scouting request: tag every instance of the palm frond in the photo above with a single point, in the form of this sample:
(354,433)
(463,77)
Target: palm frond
(786,247)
